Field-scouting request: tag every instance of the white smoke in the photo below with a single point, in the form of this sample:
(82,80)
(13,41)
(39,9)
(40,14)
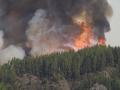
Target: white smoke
(45,36)
(45,33)
(1,39)
(11,52)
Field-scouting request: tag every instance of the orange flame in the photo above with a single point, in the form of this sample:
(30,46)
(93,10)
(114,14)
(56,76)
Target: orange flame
(85,38)
(101,41)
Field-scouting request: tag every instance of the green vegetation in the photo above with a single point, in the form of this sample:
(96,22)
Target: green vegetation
(76,70)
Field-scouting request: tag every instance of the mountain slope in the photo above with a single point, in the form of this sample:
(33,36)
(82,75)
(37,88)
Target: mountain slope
(96,68)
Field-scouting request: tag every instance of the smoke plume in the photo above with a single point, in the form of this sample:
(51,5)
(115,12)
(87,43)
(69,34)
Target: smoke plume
(47,26)
(1,39)
(11,52)
(46,36)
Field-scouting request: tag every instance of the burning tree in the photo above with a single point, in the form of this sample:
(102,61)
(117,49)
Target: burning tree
(49,26)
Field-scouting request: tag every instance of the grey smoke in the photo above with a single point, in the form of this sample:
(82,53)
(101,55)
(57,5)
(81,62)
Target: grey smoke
(22,23)
(10,52)
(46,36)
(1,39)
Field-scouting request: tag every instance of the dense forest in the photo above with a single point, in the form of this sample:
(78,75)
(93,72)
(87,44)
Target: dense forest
(96,68)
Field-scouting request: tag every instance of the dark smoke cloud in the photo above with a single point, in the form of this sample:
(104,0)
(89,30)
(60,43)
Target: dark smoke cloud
(16,14)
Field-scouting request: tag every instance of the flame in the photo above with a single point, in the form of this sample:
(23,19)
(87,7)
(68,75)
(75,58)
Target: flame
(101,41)
(86,38)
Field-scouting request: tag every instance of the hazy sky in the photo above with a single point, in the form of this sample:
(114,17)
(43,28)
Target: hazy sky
(113,37)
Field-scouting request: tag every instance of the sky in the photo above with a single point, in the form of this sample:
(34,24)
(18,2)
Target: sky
(113,37)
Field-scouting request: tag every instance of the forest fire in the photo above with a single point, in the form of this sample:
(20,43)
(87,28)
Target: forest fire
(85,38)
(48,26)
(101,41)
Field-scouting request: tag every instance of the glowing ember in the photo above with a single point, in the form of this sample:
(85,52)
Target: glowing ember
(86,37)
(101,41)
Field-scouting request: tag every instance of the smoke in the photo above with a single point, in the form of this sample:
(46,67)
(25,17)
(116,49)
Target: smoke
(47,26)
(11,52)
(1,39)
(46,36)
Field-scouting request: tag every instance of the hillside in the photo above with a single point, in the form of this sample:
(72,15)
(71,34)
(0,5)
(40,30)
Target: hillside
(96,68)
